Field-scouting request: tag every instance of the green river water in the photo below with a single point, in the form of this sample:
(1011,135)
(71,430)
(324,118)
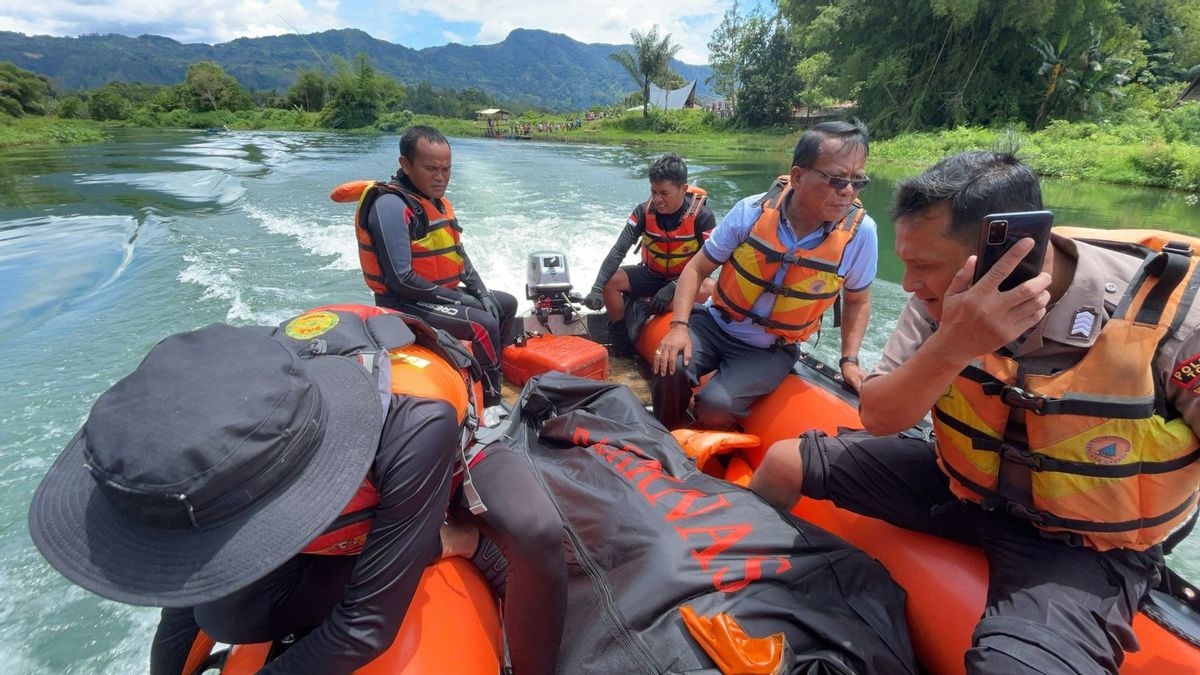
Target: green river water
(105,249)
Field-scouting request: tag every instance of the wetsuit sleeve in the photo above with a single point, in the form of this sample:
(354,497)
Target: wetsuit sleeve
(394,250)
(412,473)
(634,227)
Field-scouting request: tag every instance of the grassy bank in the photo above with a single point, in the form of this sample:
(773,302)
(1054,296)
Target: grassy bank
(47,131)
(1160,152)
(1129,154)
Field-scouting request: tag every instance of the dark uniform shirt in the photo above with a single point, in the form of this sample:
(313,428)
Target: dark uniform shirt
(1059,341)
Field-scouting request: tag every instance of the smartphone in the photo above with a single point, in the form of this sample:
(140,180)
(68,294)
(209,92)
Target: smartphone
(998,234)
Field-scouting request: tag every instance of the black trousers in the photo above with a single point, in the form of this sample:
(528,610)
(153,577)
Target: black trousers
(1051,607)
(469,321)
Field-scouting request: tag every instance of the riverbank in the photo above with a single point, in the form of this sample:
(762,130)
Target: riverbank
(1163,153)
(48,131)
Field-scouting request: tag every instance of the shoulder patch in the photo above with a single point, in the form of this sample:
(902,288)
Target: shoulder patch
(1187,372)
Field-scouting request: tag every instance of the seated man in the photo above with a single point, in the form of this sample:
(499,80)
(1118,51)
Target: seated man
(1065,412)
(672,225)
(413,258)
(208,482)
(785,256)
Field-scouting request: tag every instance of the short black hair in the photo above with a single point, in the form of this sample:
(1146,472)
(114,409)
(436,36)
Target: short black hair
(668,167)
(974,184)
(408,142)
(808,148)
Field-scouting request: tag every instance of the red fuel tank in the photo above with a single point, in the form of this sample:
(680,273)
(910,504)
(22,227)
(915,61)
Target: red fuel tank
(569,354)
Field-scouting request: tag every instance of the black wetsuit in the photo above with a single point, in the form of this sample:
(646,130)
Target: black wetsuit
(456,311)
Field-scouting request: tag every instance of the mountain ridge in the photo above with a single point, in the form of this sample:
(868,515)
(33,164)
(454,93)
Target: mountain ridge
(530,66)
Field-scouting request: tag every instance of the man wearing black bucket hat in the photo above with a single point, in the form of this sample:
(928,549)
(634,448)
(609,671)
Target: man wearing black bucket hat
(200,481)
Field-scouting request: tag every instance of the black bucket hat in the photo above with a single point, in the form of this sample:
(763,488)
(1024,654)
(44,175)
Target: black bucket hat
(220,457)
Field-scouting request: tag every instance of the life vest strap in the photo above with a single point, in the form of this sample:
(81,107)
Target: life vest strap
(1036,461)
(1039,404)
(1171,267)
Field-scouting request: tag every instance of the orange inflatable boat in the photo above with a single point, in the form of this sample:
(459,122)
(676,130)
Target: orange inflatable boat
(453,619)
(946,581)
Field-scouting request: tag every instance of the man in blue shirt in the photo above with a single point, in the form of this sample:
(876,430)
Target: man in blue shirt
(785,256)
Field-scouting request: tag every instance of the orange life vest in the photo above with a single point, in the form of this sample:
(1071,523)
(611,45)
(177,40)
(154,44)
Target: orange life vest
(434,234)
(1104,456)
(666,253)
(428,364)
(811,281)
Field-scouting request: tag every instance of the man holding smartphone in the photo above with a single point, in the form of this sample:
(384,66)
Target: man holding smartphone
(1066,432)
(786,256)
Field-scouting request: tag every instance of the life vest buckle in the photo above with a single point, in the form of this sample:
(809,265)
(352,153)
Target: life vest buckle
(1016,397)
(1018,455)
(1032,515)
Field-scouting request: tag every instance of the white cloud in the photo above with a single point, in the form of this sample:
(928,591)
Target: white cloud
(207,21)
(587,20)
(212,21)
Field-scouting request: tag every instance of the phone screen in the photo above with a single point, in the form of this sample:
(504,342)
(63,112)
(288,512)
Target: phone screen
(998,234)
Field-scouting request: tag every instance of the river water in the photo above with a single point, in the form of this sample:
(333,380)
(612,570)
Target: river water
(106,249)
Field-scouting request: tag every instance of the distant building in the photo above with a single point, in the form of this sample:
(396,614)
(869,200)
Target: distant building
(494,114)
(674,99)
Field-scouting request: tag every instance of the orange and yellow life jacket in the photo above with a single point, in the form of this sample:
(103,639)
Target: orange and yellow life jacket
(666,253)
(421,362)
(434,234)
(811,281)
(1103,456)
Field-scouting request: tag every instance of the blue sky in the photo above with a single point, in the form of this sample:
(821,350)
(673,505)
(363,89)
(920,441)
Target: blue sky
(413,23)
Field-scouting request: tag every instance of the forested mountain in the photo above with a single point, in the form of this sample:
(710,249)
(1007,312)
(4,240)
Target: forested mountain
(533,67)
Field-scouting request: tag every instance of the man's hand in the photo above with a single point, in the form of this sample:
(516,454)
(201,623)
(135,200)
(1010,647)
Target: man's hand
(979,319)
(594,300)
(661,301)
(852,375)
(489,303)
(677,341)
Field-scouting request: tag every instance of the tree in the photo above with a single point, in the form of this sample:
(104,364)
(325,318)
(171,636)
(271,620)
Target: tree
(108,103)
(649,61)
(71,107)
(770,85)
(1081,79)
(918,64)
(211,88)
(725,55)
(22,92)
(307,92)
(355,95)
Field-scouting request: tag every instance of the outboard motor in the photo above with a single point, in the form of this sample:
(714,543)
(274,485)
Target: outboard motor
(548,285)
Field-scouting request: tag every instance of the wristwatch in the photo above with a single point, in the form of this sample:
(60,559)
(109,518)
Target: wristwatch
(848,359)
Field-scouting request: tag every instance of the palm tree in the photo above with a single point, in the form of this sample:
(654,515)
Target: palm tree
(650,60)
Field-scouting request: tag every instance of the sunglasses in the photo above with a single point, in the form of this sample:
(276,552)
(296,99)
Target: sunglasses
(841,183)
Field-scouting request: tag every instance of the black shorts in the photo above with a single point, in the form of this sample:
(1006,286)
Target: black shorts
(642,282)
(1052,606)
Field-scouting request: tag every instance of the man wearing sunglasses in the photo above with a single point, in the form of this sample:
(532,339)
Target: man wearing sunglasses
(785,255)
